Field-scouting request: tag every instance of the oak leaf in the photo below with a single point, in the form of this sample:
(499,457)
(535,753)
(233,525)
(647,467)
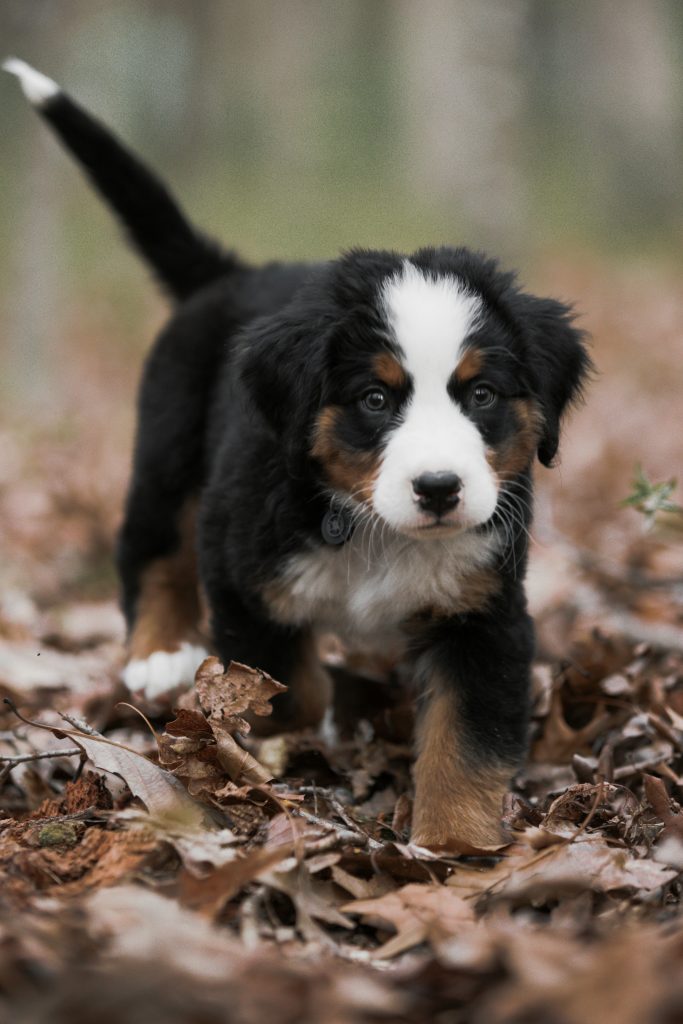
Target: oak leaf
(417,913)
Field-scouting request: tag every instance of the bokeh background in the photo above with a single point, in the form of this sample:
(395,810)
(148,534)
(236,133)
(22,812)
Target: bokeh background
(549,134)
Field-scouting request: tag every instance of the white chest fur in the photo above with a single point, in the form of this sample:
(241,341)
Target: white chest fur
(363,588)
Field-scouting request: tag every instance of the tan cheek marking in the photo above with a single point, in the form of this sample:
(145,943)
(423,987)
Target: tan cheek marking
(350,471)
(168,608)
(517,452)
(470,366)
(455,802)
(388,369)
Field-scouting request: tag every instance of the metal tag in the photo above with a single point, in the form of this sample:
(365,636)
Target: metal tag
(337,526)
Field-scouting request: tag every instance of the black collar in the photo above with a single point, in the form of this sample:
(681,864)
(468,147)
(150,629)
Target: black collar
(337,524)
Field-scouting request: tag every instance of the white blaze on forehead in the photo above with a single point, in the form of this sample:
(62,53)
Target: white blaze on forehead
(430,319)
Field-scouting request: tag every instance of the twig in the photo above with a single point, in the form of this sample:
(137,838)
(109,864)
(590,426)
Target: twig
(88,812)
(335,804)
(21,758)
(345,834)
(597,800)
(625,771)
(78,724)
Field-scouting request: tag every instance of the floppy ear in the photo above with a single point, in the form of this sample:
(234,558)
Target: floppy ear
(560,364)
(281,365)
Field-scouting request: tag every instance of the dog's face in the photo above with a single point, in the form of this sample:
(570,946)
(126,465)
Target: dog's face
(418,386)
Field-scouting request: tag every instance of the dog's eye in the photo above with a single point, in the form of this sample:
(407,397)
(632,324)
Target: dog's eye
(483,397)
(374,400)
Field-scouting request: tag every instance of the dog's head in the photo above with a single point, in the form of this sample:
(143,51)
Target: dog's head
(417,386)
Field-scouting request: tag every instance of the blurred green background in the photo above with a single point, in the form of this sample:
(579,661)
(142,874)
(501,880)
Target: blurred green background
(301,127)
(548,133)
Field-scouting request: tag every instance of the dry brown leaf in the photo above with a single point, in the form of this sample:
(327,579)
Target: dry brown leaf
(628,978)
(188,749)
(97,859)
(659,799)
(571,868)
(161,793)
(209,894)
(362,888)
(313,899)
(417,913)
(226,696)
(559,740)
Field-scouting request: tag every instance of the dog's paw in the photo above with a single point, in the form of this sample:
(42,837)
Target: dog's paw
(164,672)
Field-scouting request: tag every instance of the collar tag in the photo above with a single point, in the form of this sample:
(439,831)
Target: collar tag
(337,525)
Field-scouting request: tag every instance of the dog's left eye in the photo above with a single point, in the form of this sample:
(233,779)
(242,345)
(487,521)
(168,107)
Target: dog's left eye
(483,397)
(374,400)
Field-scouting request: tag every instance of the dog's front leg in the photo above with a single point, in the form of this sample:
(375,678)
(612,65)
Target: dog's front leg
(472,726)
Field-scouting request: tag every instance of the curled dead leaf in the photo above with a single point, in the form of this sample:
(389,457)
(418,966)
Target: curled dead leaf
(225,697)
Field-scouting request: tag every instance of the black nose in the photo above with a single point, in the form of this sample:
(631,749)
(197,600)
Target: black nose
(437,492)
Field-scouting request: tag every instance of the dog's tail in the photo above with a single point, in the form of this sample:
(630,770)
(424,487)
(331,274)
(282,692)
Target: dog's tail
(182,258)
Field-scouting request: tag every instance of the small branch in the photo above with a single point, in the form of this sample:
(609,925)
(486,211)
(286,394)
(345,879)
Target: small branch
(344,834)
(627,770)
(336,806)
(93,812)
(22,758)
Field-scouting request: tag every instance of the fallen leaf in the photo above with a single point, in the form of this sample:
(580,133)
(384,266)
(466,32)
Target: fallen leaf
(571,868)
(416,913)
(209,894)
(559,740)
(161,793)
(97,859)
(226,696)
(313,899)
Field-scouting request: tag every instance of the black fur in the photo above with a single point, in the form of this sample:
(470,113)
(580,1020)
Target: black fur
(181,257)
(227,414)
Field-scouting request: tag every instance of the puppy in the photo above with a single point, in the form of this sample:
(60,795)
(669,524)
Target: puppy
(344,446)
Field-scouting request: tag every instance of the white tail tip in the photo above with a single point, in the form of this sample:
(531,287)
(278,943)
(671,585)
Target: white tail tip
(38,88)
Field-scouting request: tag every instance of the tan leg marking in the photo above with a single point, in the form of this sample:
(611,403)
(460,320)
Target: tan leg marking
(168,608)
(454,802)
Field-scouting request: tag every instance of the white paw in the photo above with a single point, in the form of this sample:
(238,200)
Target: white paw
(164,671)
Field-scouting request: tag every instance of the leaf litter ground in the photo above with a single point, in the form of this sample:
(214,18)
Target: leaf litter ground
(176,868)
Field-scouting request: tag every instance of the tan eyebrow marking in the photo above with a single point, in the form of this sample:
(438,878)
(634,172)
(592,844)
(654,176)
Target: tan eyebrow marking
(470,365)
(388,369)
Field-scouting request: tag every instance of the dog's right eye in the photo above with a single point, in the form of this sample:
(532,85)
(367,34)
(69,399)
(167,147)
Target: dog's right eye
(374,400)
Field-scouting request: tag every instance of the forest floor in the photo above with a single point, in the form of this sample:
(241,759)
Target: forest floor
(158,871)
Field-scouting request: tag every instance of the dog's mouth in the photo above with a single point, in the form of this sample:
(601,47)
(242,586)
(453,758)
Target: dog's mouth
(436,528)
(431,526)
(425,526)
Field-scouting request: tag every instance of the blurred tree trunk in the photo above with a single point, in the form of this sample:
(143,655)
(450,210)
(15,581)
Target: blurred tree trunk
(34,299)
(605,92)
(461,100)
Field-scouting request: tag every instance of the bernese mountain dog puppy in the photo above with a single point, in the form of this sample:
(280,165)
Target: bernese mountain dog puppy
(343,446)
